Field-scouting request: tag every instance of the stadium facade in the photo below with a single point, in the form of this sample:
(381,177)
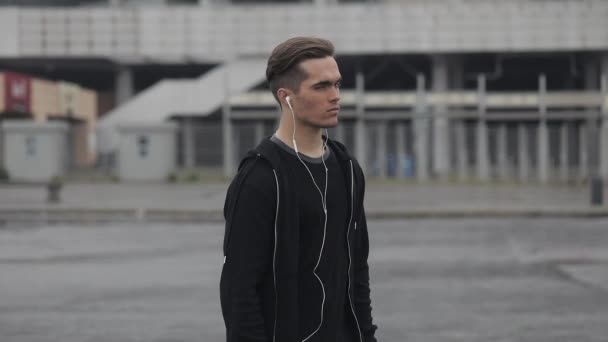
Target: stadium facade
(469,89)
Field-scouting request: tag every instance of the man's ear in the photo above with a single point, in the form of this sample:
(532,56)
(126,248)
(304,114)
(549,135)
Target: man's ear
(282,93)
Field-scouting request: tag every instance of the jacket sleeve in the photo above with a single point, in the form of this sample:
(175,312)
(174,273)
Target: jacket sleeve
(248,253)
(362,293)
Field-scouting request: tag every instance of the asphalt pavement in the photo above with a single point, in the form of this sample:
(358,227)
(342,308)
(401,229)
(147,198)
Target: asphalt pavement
(432,280)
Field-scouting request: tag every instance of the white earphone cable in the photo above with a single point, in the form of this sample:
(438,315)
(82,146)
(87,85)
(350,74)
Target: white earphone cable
(323,203)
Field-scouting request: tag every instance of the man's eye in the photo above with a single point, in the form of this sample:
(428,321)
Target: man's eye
(339,85)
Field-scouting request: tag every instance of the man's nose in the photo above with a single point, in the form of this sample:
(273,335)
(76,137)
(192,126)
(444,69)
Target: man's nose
(335,94)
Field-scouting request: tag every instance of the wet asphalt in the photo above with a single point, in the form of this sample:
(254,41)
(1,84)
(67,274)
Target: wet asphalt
(435,280)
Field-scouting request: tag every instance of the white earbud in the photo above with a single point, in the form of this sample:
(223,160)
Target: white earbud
(293,138)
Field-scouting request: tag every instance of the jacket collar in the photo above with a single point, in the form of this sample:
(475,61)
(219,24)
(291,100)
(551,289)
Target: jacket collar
(269,150)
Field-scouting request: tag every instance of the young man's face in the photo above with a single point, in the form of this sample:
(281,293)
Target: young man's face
(317,102)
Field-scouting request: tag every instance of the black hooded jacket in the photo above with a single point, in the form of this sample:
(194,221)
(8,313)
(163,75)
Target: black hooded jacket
(259,285)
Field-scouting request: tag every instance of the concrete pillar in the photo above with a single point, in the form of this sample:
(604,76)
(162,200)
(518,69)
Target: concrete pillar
(381,151)
(583,161)
(591,83)
(339,133)
(360,133)
(124,88)
(604,109)
(604,129)
(421,130)
(564,158)
(543,134)
(523,150)
(227,131)
(461,149)
(456,72)
(593,69)
(258,132)
(441,151)
(501,149)
(401,149)
(456,82)
(188,142)
(482,132)
(237,129)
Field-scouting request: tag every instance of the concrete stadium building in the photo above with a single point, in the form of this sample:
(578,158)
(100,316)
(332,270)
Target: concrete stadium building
(463,89)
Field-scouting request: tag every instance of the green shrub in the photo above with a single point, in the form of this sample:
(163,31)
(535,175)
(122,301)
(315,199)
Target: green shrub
(172,177)
(192,177)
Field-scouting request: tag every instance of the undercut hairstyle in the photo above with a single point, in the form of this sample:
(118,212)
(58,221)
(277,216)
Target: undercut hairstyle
(283,69)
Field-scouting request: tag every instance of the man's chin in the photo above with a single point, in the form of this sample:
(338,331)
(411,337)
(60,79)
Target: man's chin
(323,124)
(330,124)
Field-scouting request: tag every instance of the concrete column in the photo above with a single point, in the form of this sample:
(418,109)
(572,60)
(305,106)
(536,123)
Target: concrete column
(360,133)
(227,131)
(188,142)
(381,151)
(124,88)
(421,129)
(564,159)
(501,147)
(543,134)
(258,131)
(456,82)
(523,149)
(482,132)
(340,133)
(456,72)
(604,129)
(592,82)
(583,162)
(441,151)
(461,148)
(401,149)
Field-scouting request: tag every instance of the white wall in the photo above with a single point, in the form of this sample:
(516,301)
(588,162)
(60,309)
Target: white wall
(34,152)
(159,157)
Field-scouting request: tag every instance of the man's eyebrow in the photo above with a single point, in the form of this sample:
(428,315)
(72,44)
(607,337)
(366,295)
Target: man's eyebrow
(326,82)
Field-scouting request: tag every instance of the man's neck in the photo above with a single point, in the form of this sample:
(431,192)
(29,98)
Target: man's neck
(308,139)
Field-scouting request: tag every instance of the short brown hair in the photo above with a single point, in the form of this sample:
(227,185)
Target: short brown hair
(283,69)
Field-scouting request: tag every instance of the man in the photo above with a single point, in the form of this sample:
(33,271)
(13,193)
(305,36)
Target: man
(296,243)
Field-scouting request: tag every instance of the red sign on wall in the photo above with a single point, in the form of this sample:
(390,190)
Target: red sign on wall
(17,92)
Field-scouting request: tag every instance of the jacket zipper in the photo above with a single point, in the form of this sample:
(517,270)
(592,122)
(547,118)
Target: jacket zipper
(274,260)
(352,209)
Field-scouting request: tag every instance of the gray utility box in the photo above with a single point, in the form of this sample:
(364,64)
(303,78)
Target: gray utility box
(146,151)
(34,151)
